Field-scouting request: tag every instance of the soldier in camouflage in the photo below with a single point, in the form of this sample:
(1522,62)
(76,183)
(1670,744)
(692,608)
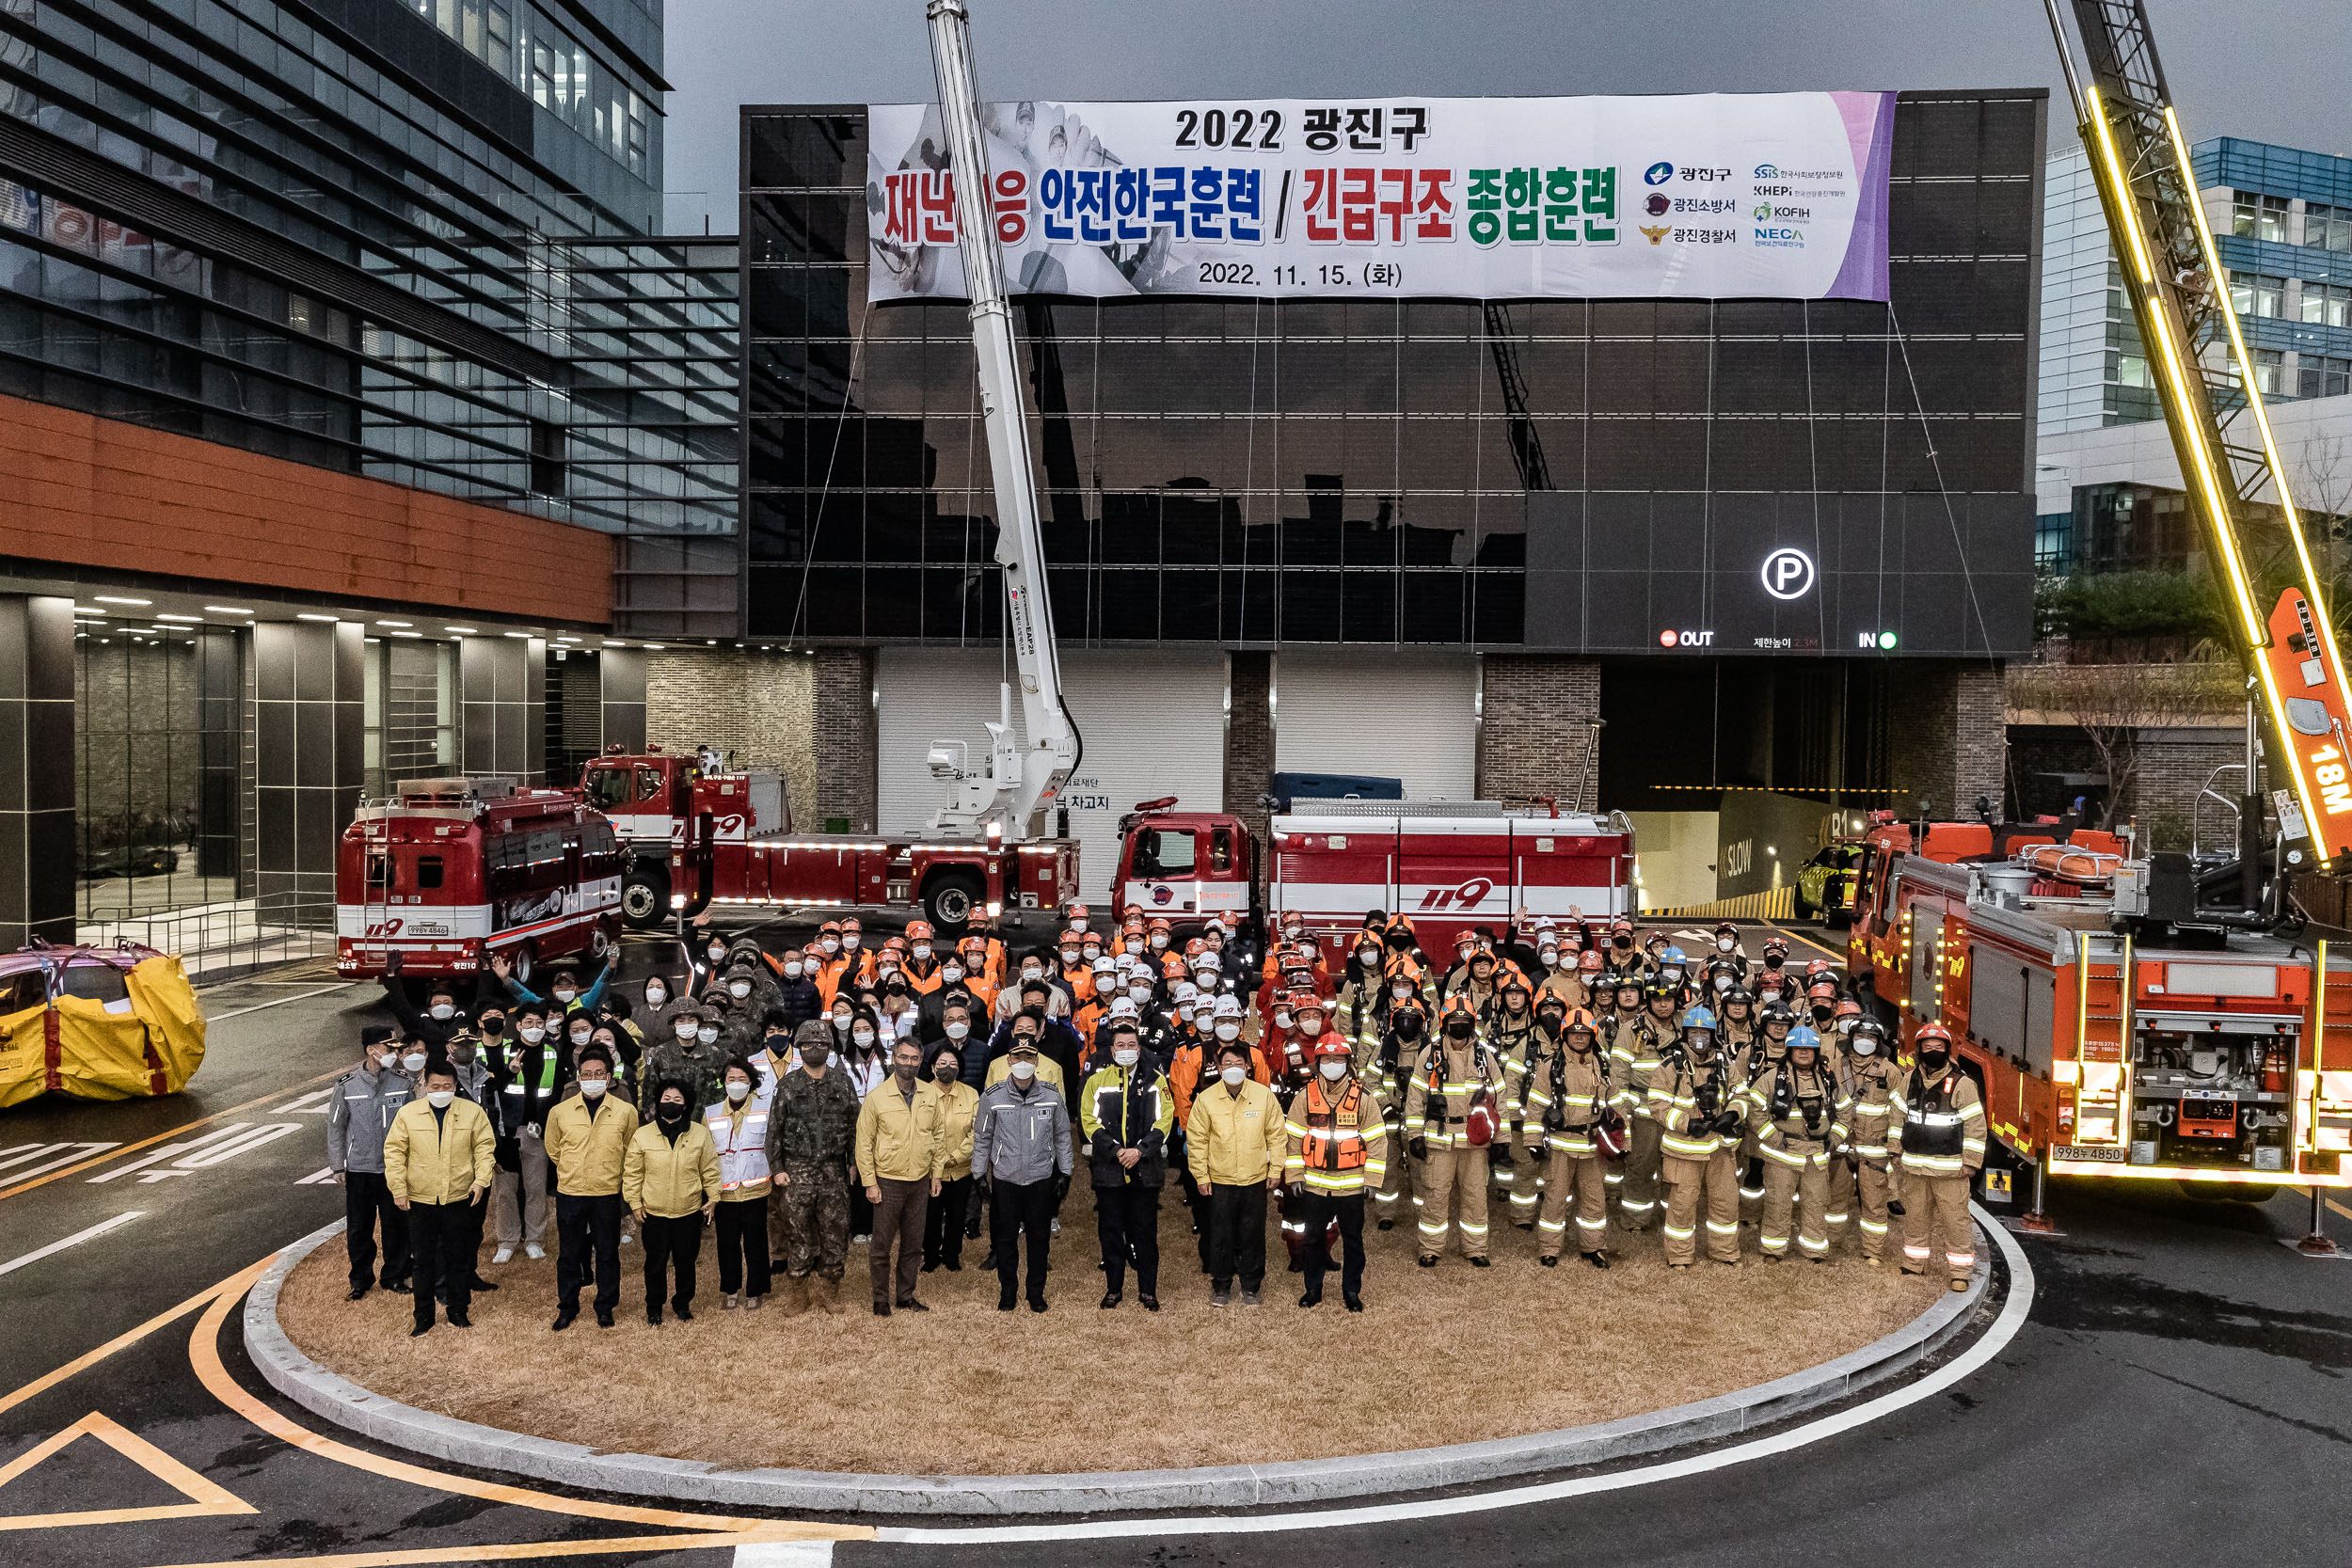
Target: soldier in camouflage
(697,1060)
(811,1130)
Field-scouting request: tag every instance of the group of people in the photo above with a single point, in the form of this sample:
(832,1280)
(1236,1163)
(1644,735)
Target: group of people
(901,1095)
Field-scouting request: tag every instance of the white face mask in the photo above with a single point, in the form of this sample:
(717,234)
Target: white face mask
(1722,982)
(738,1091)
(386,1063)
(951,971)
(1070,954)
(439,1099)
(594,1087)
(565,995)
(1205,978)
(414,1061)
(739,988)
(1031,971)
(686,1028)
(1863,1045)
(1401,992)
(1158,942)
(1139,994)
(1094,950)
(1281,1020)
(533,1033)
(580,1036)
(958,1030)
(718,951)
(841,1020)
(443,1012)
(1228,1030)
(1334,1069)
(922,949)
(831,944)
(656,993)
(1023,1071)
(707,1034)
(1126,1056)
(849,942)
(792,969)
(1232,1076)
(1552,957)
(863,1037)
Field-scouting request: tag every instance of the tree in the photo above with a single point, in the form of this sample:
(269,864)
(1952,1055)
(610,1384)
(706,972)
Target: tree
(2118,706)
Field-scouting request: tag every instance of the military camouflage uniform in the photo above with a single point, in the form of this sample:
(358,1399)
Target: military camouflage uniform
(700,1067)
(811,1132)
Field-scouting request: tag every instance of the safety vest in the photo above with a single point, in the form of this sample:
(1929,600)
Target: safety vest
(742,1151)
(1330,1146)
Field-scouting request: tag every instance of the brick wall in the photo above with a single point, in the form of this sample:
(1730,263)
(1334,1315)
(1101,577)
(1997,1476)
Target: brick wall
(755,703)
(99,493)
(1950,735)
(844,737)
(1532,734)
(1249,737)
(2173,768)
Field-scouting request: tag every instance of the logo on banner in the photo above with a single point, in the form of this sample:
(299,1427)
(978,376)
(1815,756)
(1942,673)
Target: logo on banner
(1657,174)
(1789,574)
(1654,235)
(1469,896)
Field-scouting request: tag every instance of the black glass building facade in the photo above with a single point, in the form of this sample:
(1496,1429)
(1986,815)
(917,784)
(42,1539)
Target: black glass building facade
(1553,473)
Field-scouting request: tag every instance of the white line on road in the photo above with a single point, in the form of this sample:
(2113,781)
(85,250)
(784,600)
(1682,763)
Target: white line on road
(262,1007)
(22,1155)
(316,1103)
(196,1155)
(785,1554)
(77,1238)
(318,1177)
(1995,1340)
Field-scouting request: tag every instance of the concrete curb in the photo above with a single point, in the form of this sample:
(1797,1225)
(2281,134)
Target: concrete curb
(1235,1486)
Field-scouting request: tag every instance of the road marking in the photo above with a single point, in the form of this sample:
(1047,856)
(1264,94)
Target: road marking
(99,1230)
(204,1356)
(81,1363)
(1820,948)
(238,1137)
(318,1177)
(205,1497)
(507,1552)
(785,1554)
(263,1006)
(150,1142)
(1995,1340)
(318,1103)
(24,1154)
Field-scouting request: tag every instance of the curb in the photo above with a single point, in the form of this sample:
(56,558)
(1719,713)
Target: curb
(1233,1486)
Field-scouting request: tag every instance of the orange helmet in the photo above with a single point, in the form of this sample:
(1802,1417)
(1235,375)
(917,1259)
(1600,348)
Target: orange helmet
(851,923)
(918,931)
(833,925)
(1931,1032)
(1173,968)
(1589,962)
(1159,923)
(1579,1017)
(974,943)
(1329,1045)
(894,944)
(1193,947)
(1309,999)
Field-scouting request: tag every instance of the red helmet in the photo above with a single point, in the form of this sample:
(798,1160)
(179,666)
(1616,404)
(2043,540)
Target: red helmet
(918,931)
(1822,990)
(1174,967)
(1931,1032)
(1816,967)
(1589,962)
(1330,1045)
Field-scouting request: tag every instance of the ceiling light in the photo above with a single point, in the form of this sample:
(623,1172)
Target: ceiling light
(610,643)
(396,622)
(460,631)
(227,609)
(160,616)
(657,647)
(524,635)
(407,634)
(307,616)
(109,598)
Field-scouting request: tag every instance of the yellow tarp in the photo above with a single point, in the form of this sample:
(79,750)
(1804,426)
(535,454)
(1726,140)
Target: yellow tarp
(154,1048)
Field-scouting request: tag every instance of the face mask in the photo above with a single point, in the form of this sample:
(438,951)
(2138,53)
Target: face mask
(1550,957)
(863,1037)
(1401,992)
(957,1030)
(414,1061)
(1023,1071)
(906,1070)
(1864,1045)
(1334,1069)
(1282,1020)
(1934,1060)
(1031,971)
(1460,1029)
(1092,950)
(922,949)
(739,988)
(792,969)
(1551,1020)
(1158,944)
(815,1055)
(565,994)
(594,1087)
(1228,1030)
(439,1099)
(386,1063)
(1139,994)
(951,973)
(849,942)
(656,993)
(580,1036)
(443,1012)
(1368,957)
(946,1070)
(686,1028)
(738,1092)
(493,1027)
(669,1113)
(1126,1056)
(1408,1027)
(1725,944)
(831,944)
(1205,978)
(1232,1076)
(532,1034)
(1722,982)
(1771,960)
(707,1034)
(841,1021)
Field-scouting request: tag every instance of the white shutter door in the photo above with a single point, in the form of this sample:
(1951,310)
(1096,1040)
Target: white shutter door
(1412,716)
(1154,725)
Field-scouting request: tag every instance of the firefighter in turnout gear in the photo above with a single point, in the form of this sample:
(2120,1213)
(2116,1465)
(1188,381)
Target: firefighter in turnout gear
(1939,1132)
(1400,1044)
(1645,1028)
(1567,1094)
(1509,1021)
(1803,1119)
(1862,1183)
(1766,1049)
(1453,1108)
(1338,1152)
(1700,1113)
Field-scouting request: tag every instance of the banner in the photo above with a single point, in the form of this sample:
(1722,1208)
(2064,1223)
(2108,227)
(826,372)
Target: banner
(1711,197)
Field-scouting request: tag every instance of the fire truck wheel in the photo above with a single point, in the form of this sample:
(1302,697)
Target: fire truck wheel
(2229,1192)
(645,895)
(952,899)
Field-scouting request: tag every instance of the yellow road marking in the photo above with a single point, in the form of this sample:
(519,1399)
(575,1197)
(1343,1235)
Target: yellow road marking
(508,1552)
(204,1356)
(83,1363)
(205,1497)
(1792,931)
(186,1127)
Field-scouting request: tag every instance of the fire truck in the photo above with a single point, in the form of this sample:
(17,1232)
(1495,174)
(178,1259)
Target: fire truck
(1450,865)
(449,871)
(2115,1028)
(724,839)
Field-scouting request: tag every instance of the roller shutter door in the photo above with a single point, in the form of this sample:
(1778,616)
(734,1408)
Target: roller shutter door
(1154,725)
(1413,716)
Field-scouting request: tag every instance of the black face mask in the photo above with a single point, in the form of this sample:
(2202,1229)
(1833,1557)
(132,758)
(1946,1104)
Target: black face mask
(946,1072)
(815,1055)
(669,1114)
(1408,1027)
(1935,1061)
(493,1027)
(1460,1030)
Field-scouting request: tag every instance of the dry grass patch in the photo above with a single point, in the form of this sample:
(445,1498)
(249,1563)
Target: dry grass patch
(964,1389)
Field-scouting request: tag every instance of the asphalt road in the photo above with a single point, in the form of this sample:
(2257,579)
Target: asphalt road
(2177,1396)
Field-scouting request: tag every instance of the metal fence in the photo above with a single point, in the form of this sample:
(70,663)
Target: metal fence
(216,940)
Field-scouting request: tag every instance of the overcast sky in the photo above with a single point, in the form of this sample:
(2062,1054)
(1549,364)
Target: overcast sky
(2272,69)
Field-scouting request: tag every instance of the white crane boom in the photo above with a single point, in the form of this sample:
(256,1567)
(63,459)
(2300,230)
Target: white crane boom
(1005,794)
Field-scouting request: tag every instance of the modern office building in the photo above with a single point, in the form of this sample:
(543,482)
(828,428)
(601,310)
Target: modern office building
(1429,539)
(360,423)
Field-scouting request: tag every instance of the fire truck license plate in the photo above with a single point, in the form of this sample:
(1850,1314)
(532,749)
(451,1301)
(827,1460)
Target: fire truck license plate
(2085,1151)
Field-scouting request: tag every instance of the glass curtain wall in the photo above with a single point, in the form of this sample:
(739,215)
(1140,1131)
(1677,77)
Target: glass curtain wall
(158,769)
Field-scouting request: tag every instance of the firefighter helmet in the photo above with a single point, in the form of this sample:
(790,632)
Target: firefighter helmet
(1803,1038)
(1699,1018)
(1579,1019)
(1931,1032)
(1868,1036)
(1775,1011)
(1172,968)
(1330,1045)
(918,931)
(1588,961)
(1775,947)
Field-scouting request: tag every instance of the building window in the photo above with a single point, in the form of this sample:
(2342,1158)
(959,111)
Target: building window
(2326,303)
(2259,217)
(2258,295)
(2318,375)
(2053,540)
(408,713)
(548,458)
(2268,372)
(2328,228)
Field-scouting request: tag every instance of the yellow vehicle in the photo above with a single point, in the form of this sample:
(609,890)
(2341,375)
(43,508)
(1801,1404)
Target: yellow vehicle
(96,1022)
(1825,883)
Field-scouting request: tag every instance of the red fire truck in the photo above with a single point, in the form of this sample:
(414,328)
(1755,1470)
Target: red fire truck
(725,838)
(1450,865)
(2115,1029)
(449,871)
